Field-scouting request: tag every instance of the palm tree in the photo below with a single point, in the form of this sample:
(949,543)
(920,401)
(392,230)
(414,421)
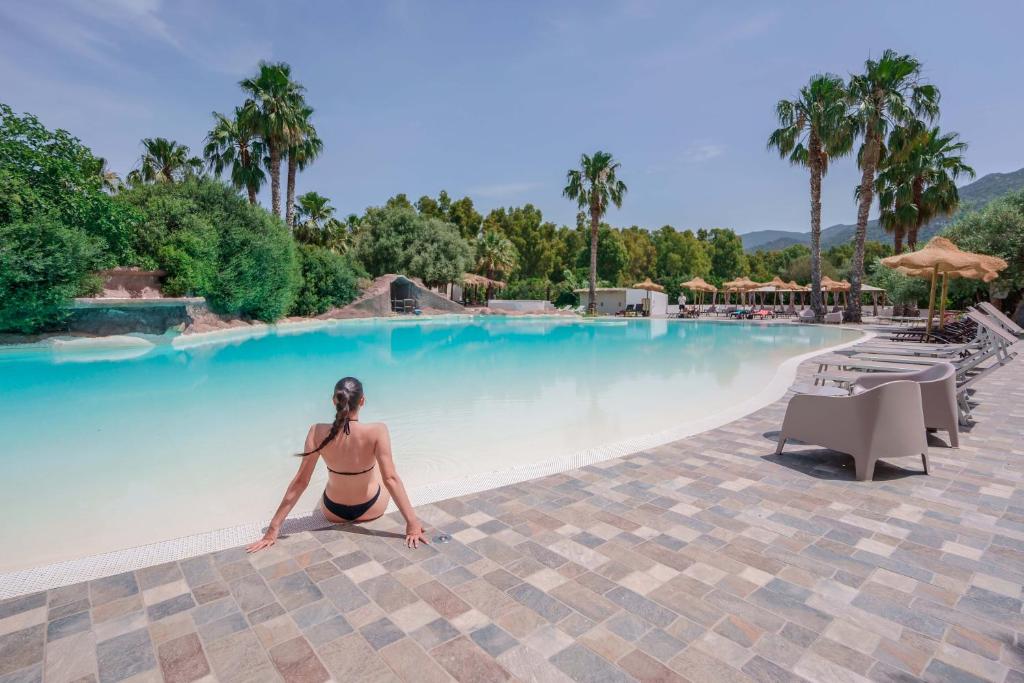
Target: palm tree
(233,143)
(495,254)
(109,180)
(814,128)
(165,161)
(304,147)
(919,181)
(594,185)
(888,94)
(276,101)
(315,223)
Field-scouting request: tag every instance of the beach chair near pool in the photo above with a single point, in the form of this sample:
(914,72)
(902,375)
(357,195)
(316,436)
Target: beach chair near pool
(886,421)
(1001,318)
(938,395)
(834,318)
(806,316)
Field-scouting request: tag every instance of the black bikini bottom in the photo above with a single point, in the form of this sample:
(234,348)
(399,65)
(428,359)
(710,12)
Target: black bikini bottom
(350,512)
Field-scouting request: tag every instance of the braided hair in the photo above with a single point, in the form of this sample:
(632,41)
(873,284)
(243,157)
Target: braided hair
(347,394)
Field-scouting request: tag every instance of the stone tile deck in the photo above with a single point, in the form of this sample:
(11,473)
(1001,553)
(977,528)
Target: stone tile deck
(709,559)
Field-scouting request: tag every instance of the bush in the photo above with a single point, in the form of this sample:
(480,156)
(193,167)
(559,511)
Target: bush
(329,280)
(535,288)
(43,265)
(213,243)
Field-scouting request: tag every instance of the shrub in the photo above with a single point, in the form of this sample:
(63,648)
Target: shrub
(530,288)
(43,265)
(328,280)
(213,243)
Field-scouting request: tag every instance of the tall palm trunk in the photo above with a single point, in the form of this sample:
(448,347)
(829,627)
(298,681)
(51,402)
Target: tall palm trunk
(289,207)
(275,179)
(592,294)
(246,159)
(867,181)
(918,190)
(897,239)
(815,163)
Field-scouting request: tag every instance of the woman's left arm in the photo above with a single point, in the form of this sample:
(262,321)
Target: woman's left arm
(291,496)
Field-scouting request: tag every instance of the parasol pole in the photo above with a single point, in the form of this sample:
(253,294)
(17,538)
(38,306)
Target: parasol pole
(931,300)
(942,301)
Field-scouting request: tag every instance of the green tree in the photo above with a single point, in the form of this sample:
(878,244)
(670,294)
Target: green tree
(642,254)
(612,257)
(43,265)
(276,103)
(233,144)
(917,179)
(166,161)
(396,239)
(495,255)
(889,93)
(595,185)
(813,129)
(315,223)
(996,229)
(535,240)
(51,174)
(725,248)
(464,216)
(681,256)
(303,149)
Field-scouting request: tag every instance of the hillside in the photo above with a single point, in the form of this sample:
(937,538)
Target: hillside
(972,196)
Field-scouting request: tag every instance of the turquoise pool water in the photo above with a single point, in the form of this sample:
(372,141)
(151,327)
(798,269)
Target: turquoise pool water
(101,450)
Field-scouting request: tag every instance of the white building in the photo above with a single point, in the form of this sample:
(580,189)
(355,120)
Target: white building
(612,300)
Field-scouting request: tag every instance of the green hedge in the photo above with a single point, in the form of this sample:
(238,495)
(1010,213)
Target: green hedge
(213,243)
(329,280)
(43,264)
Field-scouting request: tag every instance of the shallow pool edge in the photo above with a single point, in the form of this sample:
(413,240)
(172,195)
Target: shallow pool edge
(45,577)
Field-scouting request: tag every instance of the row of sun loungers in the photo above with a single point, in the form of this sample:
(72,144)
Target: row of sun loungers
(898,389)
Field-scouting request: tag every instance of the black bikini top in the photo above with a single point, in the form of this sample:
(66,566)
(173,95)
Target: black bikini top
(345,428)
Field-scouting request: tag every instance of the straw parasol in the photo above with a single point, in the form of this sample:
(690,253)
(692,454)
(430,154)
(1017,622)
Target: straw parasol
(698,284)
(474,281)
(740,285)
(941,256)
(947,275)
(650,287)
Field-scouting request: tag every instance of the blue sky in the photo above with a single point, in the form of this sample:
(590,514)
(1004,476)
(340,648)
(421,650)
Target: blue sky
(498,99)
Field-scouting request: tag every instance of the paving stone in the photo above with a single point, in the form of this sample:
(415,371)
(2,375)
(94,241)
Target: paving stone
(581,664)
(493,640)
(411,663)
(297,663)
(21,648)
(466,662)
(69,625)
(380,633)
(71,658)
(295,590)
(112,588)
(433,634)
(125,656)
(351,659)
(239,657)
(182,660)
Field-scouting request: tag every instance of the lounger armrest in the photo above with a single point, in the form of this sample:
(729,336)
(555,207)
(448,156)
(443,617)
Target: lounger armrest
(875,379)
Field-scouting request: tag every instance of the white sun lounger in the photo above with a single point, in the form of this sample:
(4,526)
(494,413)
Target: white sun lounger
(1001,318)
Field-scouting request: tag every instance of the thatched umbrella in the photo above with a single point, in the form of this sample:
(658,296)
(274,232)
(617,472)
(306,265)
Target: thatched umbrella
(698,284)
(942,256)
(650,287)
(947,275)
(477,281)
(740,285)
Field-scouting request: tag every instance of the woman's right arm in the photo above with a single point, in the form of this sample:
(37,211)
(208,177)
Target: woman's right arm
(291,495)
(414,532)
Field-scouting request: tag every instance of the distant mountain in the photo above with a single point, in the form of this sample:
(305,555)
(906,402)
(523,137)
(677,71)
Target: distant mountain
(972,196)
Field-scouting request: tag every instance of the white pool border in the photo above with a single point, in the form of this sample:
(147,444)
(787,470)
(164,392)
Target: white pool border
(34,579)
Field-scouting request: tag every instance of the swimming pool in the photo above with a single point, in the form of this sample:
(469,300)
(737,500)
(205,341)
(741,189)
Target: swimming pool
(101,450)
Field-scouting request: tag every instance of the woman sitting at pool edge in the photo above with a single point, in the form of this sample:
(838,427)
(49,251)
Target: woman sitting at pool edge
(360,467)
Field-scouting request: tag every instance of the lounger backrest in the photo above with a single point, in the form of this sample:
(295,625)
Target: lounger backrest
(991,326)
(1003,319)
